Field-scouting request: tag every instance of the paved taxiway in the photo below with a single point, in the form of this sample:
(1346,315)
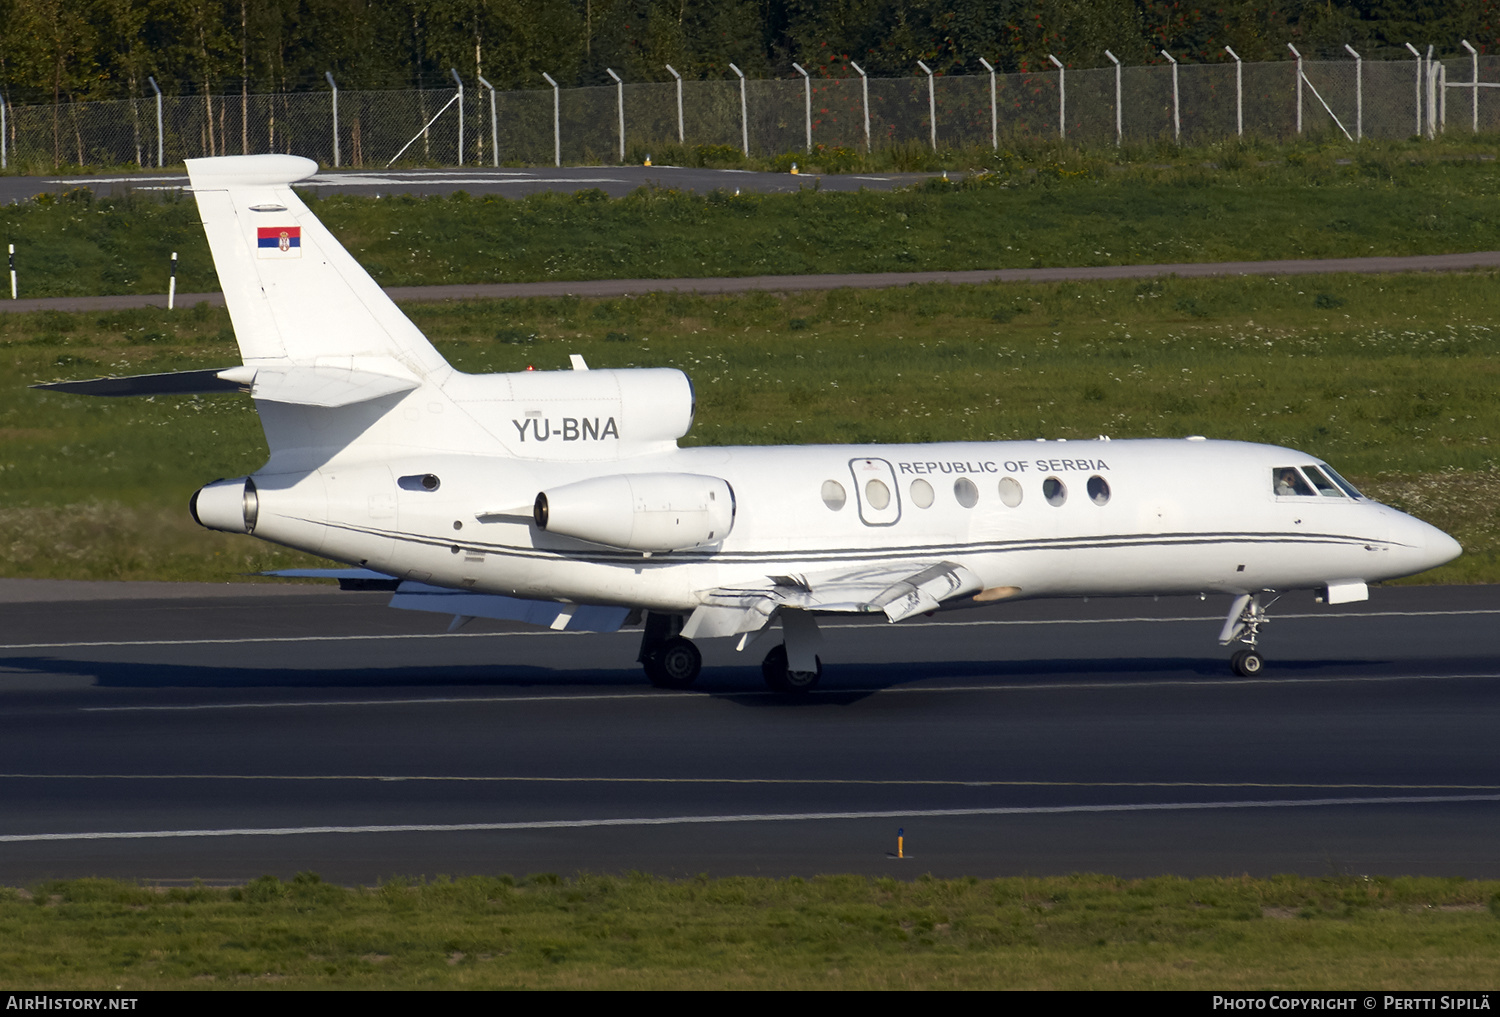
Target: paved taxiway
(178,732)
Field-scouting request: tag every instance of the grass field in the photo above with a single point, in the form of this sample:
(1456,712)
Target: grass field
(1050,207)
(843,932)
(1393,379)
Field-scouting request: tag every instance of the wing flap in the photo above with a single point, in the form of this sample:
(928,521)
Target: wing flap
(898,589)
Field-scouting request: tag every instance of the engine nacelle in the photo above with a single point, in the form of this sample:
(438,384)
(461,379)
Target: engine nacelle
(228,505)
(640,511)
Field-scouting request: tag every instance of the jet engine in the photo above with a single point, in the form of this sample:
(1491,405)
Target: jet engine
(640,511)
(228,505)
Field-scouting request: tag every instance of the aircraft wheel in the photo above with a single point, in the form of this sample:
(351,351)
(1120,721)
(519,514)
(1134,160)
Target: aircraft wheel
(674,665)
(781,679)
(1247,663)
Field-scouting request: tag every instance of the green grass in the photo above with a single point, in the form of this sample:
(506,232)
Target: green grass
(1079,932)
(1059,208)
(1393,379)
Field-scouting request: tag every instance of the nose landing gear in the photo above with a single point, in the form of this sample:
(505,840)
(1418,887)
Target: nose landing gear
(1246,615)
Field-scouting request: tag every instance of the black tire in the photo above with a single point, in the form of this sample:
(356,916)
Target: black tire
(674,664)
(1247,663)
(774,670)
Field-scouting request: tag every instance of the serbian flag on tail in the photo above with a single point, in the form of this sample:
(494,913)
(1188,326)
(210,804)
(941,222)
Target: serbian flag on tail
(279,241)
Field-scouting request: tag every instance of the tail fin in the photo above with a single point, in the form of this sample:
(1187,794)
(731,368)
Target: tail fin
(295,296)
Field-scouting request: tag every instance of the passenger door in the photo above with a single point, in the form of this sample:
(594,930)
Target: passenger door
(876,491)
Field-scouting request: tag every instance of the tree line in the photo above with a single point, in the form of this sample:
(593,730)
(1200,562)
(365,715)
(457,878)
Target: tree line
(73,50)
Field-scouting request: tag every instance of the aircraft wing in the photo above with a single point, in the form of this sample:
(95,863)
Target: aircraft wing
(466,604)
(897,589)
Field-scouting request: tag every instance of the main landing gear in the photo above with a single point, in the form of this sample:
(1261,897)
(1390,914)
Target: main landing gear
(673,662)
(1246,616)
(670,661)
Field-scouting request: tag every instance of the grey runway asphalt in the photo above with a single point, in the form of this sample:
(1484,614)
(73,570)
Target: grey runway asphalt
(168,732)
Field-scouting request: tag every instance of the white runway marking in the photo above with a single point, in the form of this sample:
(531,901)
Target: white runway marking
(783,817)
(706,694)
(797,781)
(247,640)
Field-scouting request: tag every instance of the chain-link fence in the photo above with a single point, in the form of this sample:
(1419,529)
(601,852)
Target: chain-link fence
(1188,102)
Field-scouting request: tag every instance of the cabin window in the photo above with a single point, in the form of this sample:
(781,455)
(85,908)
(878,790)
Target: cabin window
(833,494)
(1326,487)
(921,493)
(877,494)
(1288,483)
(1055,491)
(1098,490)
(966,493)
(1010,492)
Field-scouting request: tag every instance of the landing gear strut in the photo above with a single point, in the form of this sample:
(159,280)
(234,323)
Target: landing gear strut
(1246,616)
(670,661)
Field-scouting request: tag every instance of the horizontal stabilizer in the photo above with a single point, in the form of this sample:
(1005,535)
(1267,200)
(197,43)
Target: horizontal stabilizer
(412,596)
(316,386)
(300,386)
(171,383)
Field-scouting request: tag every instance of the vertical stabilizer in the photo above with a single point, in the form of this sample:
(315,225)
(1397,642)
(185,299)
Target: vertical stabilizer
(296,297)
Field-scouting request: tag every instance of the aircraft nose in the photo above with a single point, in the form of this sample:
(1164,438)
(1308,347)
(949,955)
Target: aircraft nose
(1429,546)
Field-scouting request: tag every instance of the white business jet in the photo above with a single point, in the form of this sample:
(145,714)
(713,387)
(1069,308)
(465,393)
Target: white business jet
(561,498)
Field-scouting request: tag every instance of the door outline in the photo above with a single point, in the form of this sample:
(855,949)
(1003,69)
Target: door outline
(875,469)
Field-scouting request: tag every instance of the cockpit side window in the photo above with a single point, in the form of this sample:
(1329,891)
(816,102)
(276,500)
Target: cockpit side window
(1287,482)
(1325,487)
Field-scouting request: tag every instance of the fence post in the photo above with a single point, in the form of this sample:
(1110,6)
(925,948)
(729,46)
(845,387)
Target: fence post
(864,85)
(159,147)
(1474,62)
(931,105)
(1239,94)
(1442,87)
(1359,94)
(807,102)
(620,104)
(460,83)
(744,113)
(1176,103)
(1431,97)
(1062,96)
(494,131)
(335,88)
(1299,85)
(1418,55)
(556,122)
(994,115)
(681,139)
(1119,117)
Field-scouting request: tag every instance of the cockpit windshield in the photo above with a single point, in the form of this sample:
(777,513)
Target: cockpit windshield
(1347,487)
(1326,487)
(1310,482)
